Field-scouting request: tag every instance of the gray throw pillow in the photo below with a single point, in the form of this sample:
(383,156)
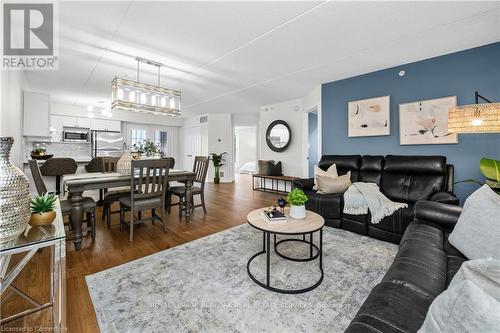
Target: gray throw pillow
(329,185)
(484,273)
(464,308)
(477,232)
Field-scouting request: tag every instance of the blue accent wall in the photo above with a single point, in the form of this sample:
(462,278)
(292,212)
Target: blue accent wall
(458,74)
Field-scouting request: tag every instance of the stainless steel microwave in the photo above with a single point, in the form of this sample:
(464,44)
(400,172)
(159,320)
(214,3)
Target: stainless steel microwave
(76,134)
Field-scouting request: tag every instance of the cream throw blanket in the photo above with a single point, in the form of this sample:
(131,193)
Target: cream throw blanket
(360,197)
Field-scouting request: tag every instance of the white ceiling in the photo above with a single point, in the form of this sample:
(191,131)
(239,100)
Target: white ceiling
(236,56)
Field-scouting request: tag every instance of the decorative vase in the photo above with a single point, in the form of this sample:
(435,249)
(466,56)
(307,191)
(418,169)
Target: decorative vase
(216,180)
(298,212)
(41,219)
(14,195)
(124,163)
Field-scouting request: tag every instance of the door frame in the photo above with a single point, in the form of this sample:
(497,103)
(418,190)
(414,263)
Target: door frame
(256,143)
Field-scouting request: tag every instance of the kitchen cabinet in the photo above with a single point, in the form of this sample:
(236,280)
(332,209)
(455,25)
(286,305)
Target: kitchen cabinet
(105,125)
(56,128)
(36,114)
(76,122)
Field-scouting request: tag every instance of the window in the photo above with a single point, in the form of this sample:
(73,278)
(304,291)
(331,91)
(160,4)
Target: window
(160,139)
(137,135)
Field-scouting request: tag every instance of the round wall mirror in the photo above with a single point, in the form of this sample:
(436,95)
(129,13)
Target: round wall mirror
(278,136)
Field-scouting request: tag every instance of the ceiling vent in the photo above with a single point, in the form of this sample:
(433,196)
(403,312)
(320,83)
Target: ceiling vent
(203,119)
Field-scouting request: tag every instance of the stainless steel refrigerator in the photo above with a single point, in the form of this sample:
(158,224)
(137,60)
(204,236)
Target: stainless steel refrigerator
(106,143)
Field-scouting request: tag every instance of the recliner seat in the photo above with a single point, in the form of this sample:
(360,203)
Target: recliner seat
(401,178)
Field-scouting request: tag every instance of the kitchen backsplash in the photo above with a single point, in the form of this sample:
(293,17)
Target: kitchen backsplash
(78,151)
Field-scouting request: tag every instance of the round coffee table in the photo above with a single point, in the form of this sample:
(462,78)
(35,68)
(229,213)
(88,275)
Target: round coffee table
(308,226)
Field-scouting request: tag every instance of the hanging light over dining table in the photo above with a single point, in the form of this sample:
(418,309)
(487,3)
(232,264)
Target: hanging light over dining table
(138,96)
(475,118)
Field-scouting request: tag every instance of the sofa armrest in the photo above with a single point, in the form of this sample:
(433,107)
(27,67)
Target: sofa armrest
(444,214)
(304,184)
(445,197)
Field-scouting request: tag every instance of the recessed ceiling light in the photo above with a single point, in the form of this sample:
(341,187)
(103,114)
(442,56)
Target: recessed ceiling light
(90,108)
(401,73)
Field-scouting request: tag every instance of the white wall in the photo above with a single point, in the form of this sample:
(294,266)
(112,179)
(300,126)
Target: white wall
(294,112)
(11,119)
(291,112)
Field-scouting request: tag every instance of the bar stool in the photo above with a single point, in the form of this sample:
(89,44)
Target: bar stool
(58,166)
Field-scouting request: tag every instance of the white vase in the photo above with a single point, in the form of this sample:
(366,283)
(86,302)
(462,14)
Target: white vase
(298,212)
(124,164)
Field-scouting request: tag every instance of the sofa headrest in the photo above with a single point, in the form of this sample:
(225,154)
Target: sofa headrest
(415,164)
(372,163)
(343,162)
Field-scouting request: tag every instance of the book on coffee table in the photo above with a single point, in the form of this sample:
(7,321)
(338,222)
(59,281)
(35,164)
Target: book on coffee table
(274,216)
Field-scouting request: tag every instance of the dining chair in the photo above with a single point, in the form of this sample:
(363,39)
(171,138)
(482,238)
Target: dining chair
(58,167)
(200,168)
(148,184)
(171,161)
(108,164)
(88,203)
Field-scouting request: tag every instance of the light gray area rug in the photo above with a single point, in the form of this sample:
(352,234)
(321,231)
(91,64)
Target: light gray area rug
(203,286)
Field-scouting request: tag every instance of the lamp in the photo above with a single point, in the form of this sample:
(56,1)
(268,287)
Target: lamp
(475,118)
(138,96)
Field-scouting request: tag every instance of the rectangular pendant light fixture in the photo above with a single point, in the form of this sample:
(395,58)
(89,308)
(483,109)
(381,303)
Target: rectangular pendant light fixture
(138,96)
(475,118)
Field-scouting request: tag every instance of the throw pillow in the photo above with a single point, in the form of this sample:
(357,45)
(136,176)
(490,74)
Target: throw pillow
(330,172)
(275,169)
(462,308)
(484,273)
(329,185)
(264,166)
(477,232)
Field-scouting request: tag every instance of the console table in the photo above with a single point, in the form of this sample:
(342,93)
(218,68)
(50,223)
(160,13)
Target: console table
(32,240)
(261,183)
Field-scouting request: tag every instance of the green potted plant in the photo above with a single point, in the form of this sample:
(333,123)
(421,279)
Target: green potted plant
(148,148)
(42,209)
(217,161)
(490,169)
(297,200)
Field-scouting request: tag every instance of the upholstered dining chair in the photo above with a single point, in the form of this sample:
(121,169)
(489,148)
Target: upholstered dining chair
(148,184)
(58,167)
(108,164)
(200,168)
(88,203)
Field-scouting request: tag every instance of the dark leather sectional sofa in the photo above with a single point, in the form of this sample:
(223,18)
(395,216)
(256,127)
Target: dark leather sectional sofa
(422,269)
(401,178)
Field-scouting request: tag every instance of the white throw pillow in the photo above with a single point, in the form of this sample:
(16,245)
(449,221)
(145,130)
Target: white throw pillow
(477,232)
(463,308)
(330,172)
(484,273)
(329,185)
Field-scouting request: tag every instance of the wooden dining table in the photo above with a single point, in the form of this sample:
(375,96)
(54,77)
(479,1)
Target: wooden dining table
(76,184)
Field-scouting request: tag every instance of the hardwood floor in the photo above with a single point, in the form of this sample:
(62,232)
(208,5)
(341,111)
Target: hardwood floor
(227,204)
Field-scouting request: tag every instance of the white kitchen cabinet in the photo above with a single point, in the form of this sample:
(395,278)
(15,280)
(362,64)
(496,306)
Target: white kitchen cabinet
(36,114)
(105,125)
(56,128)
(76,122)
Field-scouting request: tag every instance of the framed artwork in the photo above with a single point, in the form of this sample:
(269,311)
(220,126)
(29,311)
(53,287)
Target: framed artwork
(426,122)
(369,117)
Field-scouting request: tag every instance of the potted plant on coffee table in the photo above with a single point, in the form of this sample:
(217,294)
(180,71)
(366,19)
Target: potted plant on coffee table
(297,200)
(42,209)
(217,161)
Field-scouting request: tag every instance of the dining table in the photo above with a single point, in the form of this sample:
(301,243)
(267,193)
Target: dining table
(76,184)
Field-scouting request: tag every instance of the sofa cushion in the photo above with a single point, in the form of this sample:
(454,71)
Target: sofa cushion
(477,232)
(329,206)
(391,307)
(464,307)
(424,233)
(330,185)
(412,178)
(344,163)
(371,169)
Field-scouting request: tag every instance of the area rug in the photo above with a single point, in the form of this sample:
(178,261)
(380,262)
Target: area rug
(203,286)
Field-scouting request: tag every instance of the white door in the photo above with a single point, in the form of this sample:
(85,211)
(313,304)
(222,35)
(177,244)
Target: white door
(191,145)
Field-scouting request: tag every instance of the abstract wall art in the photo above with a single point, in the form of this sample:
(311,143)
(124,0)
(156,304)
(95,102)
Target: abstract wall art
(426,122)
(369,117)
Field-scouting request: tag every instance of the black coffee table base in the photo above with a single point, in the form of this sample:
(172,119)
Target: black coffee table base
(315,252)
